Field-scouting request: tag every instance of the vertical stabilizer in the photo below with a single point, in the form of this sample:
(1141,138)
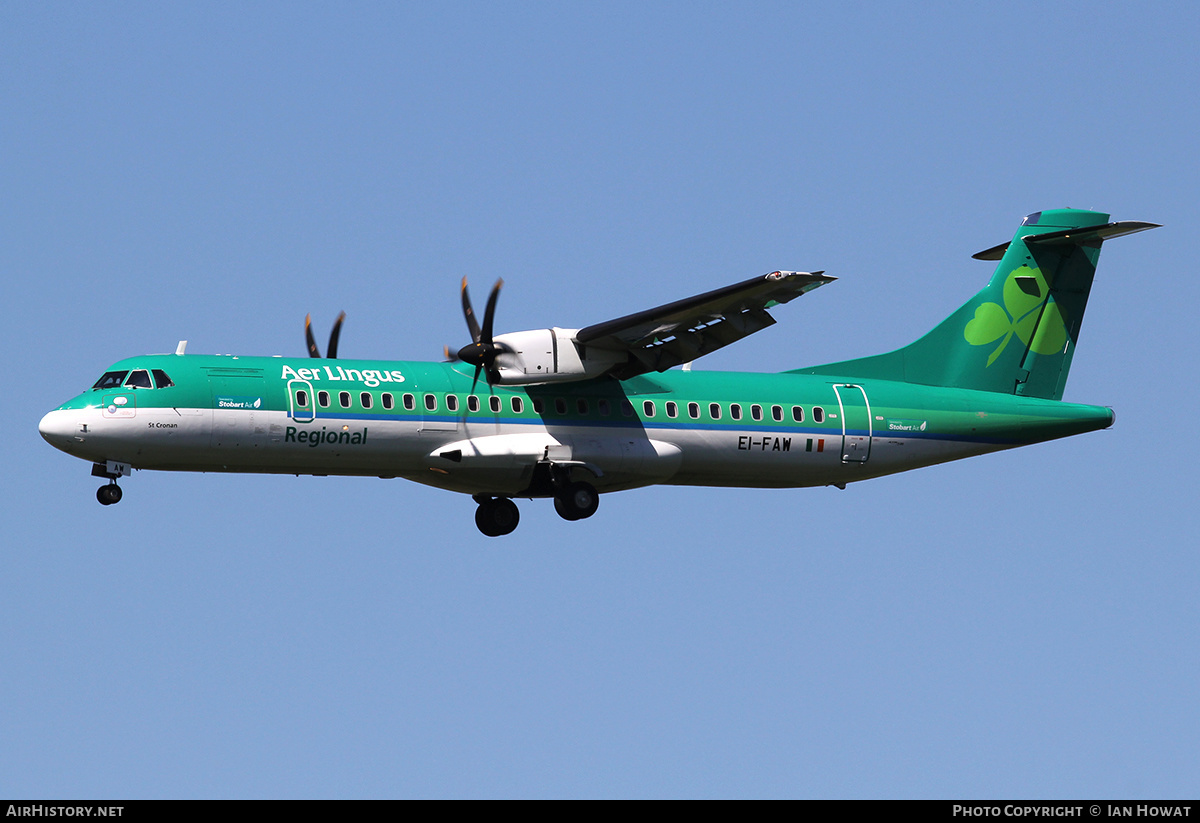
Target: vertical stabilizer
(1018,334)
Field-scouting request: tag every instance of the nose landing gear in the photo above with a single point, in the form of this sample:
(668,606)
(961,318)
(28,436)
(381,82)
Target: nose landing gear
(107,495)
(112,469)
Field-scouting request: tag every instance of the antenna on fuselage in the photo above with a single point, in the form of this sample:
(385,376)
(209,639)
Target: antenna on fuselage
(182,347)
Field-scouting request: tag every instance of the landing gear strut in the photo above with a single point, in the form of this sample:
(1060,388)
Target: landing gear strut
(496,516)
(111,469)
(109,494)
(575,501)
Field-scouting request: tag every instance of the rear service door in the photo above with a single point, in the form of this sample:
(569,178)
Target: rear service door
(856,423)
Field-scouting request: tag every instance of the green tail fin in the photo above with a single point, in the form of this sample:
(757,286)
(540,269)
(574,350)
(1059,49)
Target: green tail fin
(1018,334)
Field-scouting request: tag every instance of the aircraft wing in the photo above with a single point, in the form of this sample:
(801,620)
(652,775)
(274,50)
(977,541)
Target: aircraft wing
(680,332)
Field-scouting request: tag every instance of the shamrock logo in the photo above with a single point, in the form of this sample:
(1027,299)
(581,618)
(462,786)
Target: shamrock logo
(1025,291)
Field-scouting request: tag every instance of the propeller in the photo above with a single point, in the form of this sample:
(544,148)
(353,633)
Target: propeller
(482,353)
(313,351)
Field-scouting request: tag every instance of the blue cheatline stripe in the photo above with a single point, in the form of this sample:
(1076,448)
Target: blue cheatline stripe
(679,425)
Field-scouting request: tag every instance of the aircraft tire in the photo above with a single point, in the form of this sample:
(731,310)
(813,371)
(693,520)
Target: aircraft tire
(577,502)
(498,517)
(107,495)
(564,512)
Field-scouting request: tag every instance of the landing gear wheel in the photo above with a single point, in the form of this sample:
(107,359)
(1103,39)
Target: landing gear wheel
(577,501)
(107,495)
(497,517)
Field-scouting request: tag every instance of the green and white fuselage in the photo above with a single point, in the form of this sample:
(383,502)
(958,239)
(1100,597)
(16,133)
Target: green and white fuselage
(573,413)
(265,414)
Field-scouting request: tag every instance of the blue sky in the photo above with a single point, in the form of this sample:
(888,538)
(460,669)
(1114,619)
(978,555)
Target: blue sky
(1022,624)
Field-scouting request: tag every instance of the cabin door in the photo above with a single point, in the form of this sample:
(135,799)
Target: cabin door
(856,423)
(301,402)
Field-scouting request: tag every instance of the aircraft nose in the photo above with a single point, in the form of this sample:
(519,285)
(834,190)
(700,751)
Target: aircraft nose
(58,428)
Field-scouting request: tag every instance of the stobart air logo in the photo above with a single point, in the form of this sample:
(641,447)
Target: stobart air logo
(1025,291)
(239,402)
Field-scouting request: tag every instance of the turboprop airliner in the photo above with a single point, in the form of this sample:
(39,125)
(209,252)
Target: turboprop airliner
(570,414)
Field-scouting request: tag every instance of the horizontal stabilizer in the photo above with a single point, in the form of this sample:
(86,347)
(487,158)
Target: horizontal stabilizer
(1081,236)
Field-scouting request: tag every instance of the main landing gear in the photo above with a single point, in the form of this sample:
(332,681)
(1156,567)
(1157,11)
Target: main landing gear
(497,516)
(576,501)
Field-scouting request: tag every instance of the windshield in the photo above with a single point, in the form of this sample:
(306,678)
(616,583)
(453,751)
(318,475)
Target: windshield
(139,379)
(110,380)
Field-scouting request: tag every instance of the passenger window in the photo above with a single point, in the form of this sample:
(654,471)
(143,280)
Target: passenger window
(560,406)
(735,411)
(139,379)
(714,410)
(410,402)
(648,407)
(538,405)
(344,399)
(581,405)
(302,399)
(518,405)
(472,403)
(452,402)
(694,410)
(602,405)
(430,402)
(494,404)
(777,413)
(626,408)
(323,399)
(672,409)
(365,397)
(388,402)
(818,414)
(756,411)
(798,414)
(110,380)
(161,380)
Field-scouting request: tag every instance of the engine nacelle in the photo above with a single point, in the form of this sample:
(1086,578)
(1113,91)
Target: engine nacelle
(551,356)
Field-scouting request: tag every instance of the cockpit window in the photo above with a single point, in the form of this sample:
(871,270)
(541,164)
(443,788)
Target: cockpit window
(161,380)
(110,380)
(139,379)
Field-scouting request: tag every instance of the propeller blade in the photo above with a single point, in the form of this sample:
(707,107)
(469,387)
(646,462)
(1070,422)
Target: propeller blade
(483,351)
(469,313)
(451,357)
(334,335)
(313,351)
(489,314)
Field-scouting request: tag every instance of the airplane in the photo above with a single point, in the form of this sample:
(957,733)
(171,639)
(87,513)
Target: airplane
(570,414)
